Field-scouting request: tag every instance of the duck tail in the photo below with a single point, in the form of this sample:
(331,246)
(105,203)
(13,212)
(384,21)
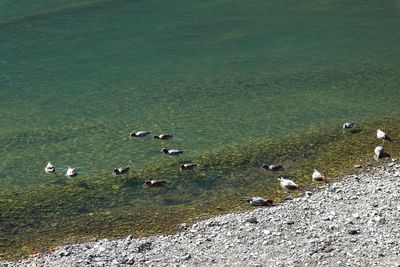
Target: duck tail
(269,202)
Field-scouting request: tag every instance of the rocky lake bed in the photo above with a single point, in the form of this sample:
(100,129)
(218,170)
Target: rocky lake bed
(354,221)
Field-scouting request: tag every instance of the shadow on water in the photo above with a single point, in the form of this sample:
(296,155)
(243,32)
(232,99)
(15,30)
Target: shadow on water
(81,208)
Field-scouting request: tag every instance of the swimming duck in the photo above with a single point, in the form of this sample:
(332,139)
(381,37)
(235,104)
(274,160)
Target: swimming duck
(121,170)
(317,176)
(273,167)
(49,168)
(259,201)
(380,134)
(172,152)
(288,184)
(140,134)
(347,125)
(189,166)
(71,172)
(163,136)
(155,183)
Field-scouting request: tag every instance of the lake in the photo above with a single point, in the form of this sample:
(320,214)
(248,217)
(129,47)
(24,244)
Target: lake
(77,77)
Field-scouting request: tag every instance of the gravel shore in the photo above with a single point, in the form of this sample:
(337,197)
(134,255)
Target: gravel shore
(353,222)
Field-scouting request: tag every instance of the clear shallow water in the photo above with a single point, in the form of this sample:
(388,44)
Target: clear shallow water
(76,81)
(77,78)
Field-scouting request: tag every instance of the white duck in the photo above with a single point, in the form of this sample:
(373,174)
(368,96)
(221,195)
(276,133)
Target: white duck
(172,152)
(71,172)
(163,136)
(260,201)
(380,134)
(121,170)
(189,166)
(317,176)
(49,168)
(140,134)
(155,183)
(380,153)
(288,184)
(273,167)
(347,125)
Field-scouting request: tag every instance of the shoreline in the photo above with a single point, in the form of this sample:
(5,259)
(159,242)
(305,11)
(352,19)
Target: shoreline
(350,222)
(90,208)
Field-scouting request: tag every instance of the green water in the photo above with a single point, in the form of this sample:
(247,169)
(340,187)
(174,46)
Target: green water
(77,81)
(77,77)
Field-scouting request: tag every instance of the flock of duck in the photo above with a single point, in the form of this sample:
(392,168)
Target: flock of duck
(255,201)
(71,172)
(316,176)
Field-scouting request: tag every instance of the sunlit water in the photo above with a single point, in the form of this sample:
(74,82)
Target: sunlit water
(75,82)
(77,77)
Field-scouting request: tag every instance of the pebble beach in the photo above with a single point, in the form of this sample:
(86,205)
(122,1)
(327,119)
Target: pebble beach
(351,222)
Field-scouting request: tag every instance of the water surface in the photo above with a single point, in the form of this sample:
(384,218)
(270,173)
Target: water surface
(77,77)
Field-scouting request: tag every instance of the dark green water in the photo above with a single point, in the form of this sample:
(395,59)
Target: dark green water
(77,77)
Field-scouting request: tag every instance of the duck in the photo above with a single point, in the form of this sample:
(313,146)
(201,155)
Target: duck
(140,134)
(71,172)
(317,176)
(121,170)
(380,153)
(348,125)
(172,152)
(163,136)
(189,166)
(288,184)
(273,167)
(259,201)
(49,168)
(155,183)
(380,134)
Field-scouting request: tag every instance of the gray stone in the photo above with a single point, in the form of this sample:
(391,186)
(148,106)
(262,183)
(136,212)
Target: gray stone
(341,224)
